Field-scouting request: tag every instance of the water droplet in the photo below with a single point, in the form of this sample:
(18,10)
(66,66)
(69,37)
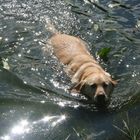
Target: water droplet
(42,101)
(38,33)
(35,40)
(19,55)
(134,74)
(24,82)
(62,104)
(33,69)
(134,58)
(42,84)
(6,39)
(28,51)
(0,38)
(25,29)
(21,39)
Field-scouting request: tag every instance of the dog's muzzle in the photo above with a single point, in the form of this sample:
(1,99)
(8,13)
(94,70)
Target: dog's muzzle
(101,99)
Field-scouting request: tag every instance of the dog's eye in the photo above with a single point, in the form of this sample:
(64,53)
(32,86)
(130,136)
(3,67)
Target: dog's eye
(94,86)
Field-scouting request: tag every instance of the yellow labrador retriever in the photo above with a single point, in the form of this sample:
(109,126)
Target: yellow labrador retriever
(87,76)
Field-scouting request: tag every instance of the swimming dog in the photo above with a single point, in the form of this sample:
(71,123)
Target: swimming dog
(87,76)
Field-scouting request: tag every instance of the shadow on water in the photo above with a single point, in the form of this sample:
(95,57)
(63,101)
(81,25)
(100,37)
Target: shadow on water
(34,102)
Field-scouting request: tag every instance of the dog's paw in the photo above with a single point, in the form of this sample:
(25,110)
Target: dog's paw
(74,91)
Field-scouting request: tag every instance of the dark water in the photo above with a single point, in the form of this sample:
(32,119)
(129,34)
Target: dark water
(33,99)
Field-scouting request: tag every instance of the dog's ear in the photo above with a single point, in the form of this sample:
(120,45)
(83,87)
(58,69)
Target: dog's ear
(77,87)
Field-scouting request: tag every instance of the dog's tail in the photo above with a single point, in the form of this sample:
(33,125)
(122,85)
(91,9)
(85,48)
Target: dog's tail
(50,26)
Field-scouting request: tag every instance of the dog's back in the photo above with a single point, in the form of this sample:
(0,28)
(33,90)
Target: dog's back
(67,47)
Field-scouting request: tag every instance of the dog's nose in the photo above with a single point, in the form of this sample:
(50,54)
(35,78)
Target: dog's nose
(100,98)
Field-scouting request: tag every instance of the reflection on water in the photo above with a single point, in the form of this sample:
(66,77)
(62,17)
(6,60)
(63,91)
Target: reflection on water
(20,128)
(24,127)
(33,83)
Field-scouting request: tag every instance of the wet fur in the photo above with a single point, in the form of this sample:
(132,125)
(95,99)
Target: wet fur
(84,70)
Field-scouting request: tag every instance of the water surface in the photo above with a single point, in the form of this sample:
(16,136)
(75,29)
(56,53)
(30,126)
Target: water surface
(34,103)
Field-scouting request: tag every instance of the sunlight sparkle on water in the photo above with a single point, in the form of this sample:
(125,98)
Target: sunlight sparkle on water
(21,128)
(5,138)
(62,104)
(21,39)
(54,120)
(24,82)
(6,39)
(91,21)
(47,118)
(42,101)
(67,103)
(24,127)
(134,74)
(56,84)
(28,51)
(33,69)
(19,55)
(37,33)
(0,38)
(62,117)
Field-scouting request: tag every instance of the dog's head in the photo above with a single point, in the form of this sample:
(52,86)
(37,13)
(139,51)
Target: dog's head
(97,87)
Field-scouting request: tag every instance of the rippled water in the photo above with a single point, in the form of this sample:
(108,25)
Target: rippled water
(34,102)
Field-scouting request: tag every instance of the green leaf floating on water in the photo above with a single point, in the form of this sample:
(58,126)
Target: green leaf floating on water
(103,53)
